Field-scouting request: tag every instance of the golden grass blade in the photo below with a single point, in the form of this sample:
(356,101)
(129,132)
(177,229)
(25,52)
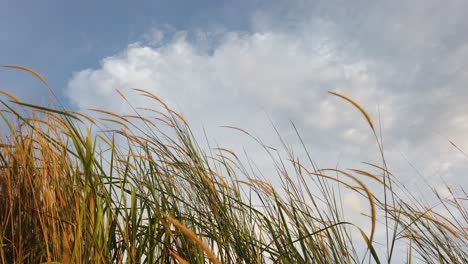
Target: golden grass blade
(239,129)
(430,218)
(369,197)
(50,110)
(139,118)
(354,188)
(445,219)
(33,72)
(120,93)
(109,113)
(378,167)
(228,151)
(164,121)
(177,257)
(366,115)
(179,116)
(11,96)
(150,95)
(116,122)
(244,182)
(91,120)
(107,141)
(267,188)
(189,233)
(368,174)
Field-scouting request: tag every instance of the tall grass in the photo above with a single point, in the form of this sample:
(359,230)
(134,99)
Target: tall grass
(139,189)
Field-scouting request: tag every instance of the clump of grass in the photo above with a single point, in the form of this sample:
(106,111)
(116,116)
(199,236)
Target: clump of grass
(139,189)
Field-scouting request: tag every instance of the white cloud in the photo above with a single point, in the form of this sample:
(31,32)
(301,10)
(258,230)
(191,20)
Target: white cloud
(266,71)
(405,67)
(409,69)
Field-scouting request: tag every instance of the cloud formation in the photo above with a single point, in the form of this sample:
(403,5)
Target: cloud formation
(408,69)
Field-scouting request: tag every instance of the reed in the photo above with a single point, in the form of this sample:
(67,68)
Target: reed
(75,191)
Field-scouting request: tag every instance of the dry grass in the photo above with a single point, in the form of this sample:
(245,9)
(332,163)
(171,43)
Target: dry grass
(71,194)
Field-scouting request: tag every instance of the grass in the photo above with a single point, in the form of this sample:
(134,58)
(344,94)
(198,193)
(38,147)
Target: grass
(139,189)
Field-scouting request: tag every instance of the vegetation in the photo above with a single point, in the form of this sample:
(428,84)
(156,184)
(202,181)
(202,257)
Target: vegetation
(142,190)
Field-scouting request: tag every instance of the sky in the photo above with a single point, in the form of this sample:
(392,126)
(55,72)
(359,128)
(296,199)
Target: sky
(256,63)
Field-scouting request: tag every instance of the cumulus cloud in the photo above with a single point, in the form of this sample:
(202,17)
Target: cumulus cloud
(404,61)
(408,69)
(247,74)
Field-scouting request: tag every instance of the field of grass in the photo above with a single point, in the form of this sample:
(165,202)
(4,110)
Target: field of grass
(141,189)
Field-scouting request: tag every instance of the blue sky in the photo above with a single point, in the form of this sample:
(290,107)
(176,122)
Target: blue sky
(243,62)
(59,37)
(250,60)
